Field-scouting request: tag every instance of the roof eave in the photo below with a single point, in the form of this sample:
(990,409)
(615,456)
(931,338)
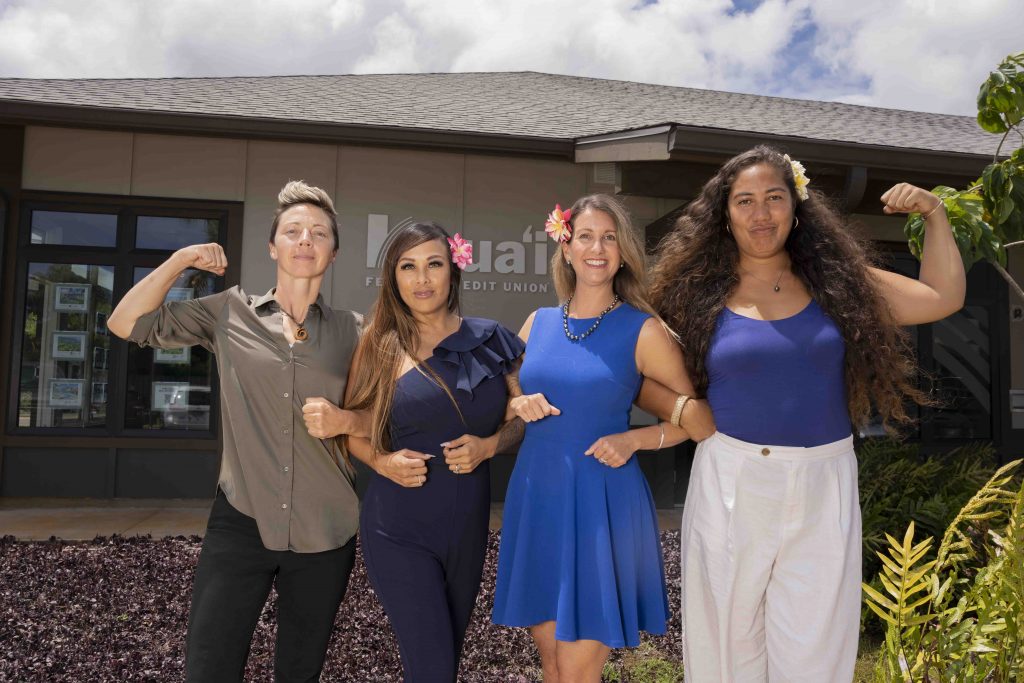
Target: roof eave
(673,141)
(686,141)
(35,113)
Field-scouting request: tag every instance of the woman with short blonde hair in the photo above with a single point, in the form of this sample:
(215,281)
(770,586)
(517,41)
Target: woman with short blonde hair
(285,513)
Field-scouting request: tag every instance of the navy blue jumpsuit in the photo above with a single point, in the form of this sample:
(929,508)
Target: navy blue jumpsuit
(424,547)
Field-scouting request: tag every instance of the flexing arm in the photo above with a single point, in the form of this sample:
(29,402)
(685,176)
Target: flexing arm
(941,285)
(149,293)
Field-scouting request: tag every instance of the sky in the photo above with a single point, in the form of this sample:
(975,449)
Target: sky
(923,55)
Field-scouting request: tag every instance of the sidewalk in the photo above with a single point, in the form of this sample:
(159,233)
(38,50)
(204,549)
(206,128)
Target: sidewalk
(82,519)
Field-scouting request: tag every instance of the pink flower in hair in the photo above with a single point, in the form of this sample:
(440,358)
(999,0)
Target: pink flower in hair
(462,251)
(557,225)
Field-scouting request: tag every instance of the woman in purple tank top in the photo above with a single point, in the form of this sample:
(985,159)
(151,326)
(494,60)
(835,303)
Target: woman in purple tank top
(793,335)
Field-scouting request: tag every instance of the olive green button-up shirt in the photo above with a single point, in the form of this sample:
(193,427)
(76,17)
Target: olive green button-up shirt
(271,468)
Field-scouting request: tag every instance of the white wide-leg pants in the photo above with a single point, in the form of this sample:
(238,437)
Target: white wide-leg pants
(771,563)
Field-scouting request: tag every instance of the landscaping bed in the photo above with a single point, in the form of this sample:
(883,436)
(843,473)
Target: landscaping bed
(115,609)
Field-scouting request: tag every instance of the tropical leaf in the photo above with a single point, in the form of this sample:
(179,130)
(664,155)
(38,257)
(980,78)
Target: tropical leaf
(957,617)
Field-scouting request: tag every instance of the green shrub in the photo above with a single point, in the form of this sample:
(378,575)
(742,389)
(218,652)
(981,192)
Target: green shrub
(899,486)
(959,616)
(645,664)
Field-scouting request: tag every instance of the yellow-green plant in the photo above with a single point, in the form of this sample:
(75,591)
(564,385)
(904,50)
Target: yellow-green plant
(957,617)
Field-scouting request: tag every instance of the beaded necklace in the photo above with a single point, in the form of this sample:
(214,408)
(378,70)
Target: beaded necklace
(580,337)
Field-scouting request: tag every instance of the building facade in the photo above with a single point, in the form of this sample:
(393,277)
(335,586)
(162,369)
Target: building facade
(101,180)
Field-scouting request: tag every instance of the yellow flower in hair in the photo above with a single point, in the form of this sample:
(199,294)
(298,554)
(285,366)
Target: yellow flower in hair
(800,178)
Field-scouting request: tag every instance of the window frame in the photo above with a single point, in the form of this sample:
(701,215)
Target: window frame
(985,289)
(124,257)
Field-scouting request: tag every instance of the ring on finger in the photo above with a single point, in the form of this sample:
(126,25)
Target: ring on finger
(458,468)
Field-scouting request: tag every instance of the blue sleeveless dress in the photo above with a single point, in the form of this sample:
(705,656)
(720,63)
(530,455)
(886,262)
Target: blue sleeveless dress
(579,540)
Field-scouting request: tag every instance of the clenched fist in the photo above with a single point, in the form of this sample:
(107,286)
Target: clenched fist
(405,467)
(532,407)
(323,419)
(907,198)
(209,257)
(613,450)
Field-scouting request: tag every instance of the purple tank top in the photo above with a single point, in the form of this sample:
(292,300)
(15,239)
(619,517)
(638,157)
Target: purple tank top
(779,382)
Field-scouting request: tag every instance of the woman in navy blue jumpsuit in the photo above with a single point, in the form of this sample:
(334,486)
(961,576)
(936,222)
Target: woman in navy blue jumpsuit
(436,385)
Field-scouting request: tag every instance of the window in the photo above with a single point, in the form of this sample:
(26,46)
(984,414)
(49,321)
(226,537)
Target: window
(164,382)
(65,345)
(75,261)
(959,357)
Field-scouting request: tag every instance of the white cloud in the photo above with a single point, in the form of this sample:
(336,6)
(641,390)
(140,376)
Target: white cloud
(915,54)
(919,54)
(394,49)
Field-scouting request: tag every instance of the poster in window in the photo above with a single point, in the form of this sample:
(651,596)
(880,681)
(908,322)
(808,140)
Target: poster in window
(99,393)
(99,358)
(179,294)
(69,345)
(179,356)
(71,297)
(66,393)
(101,323)
(163,392)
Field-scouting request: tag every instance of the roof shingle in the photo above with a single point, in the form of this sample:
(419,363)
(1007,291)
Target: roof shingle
(517,104)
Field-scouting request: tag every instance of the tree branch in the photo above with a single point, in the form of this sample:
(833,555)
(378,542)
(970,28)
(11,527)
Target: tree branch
(1009,279)
(995,157)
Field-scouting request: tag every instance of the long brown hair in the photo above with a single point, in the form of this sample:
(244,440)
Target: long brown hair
(630,281)
(392,334)
(696,273)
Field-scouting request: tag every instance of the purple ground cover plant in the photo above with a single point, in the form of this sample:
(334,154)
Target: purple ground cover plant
(115,609)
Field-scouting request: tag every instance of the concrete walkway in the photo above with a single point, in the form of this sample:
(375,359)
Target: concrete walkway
(82,519)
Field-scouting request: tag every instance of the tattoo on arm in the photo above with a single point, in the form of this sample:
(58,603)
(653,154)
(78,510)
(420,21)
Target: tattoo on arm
(509,435)
(512,379)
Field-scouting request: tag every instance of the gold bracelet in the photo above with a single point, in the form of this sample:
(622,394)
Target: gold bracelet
(928,215)
(661,441)
(677,412)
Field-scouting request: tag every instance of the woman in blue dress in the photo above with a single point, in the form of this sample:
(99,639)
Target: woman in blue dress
(436,385)
(580,560)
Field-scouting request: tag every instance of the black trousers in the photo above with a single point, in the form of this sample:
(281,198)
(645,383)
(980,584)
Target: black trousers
(232,582)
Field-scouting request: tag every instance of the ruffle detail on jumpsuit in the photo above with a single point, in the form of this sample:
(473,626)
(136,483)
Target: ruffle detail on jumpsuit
(481,349)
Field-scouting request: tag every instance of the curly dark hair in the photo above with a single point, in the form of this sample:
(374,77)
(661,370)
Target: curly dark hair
(696,273)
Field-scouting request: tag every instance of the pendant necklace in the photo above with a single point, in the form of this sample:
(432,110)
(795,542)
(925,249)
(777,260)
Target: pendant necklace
(580,337)
(775,287)
(300,330)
